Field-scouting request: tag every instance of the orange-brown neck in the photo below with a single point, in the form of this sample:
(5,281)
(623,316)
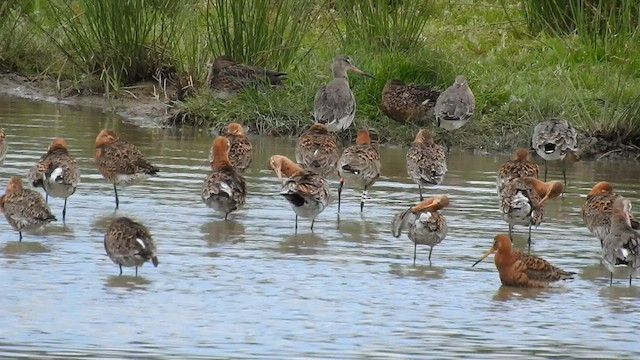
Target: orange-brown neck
(431,204)
(14,185)
(602,187)
(363,137)
(220,150)
(423,137)
(288,167)
(58,144)
(106,137)
(522,155)
(235,129)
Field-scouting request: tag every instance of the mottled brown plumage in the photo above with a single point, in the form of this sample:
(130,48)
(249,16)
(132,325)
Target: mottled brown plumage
(521,270)
(360,162)
(426,225)
(227,77)
(553,139)
(317,150)
(3,146)
(57,172)
(130,244)
(24,209)
(306,191)
(621,247)
(520,166)
(426,161)
(596,210)
(408,102)
(522,201)
(120,162)
(224,189)
(241,151)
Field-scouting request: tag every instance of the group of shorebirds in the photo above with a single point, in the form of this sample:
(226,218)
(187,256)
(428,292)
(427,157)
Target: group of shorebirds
(304,182)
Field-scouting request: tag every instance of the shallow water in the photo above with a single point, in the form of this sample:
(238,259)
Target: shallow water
(251,287)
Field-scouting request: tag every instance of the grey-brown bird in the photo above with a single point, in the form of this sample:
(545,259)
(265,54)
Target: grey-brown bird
(518,167)
(57,172)
(621,247)
(553,139)
(129,244)
(120,162)
(359,162)
(241,151)
(425,224)
(306,191)
(317,150)
(408,102)
(224,189)
(522,201)
(227,77)
(596,210)
(24,209)
(334,104)
(426,161)
(455,106)
(3,146)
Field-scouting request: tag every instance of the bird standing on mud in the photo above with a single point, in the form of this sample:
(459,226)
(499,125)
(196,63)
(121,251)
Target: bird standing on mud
(334,104)
(454,106)
(553,139)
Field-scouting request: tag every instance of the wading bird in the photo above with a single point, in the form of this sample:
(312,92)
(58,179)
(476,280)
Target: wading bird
(408,102)
(241,151)
(518,167)
(596,210)
(455,106)
(334,104)
(360,162)
(3,146)
(425,224)
(317,150)
(522,201)
(224,189)
(226,77)
(306,191)
(553,139)
(426,161)
(621,247)
(130,244)
(120,162)
(521,270)
(24,209)
(57,172)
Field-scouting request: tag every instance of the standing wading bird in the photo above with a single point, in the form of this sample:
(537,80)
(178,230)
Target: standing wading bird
(226,77)
(305,190)
(3,146)
(426,161)
(317,150)
(520,166)
(521,270)
(129,243)
(522,201)
(596,210)
(408,102)
(57,173)
(621,247)
(120,162)
(241,151)
(552,139)
(24,209)
(334,104)
(360,161)
(455,106)
(426,225)
(224,189)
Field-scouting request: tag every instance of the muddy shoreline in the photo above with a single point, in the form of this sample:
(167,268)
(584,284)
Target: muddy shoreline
(144,105)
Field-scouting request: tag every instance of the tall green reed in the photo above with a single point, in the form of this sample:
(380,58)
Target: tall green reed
(262,32)
(392,25)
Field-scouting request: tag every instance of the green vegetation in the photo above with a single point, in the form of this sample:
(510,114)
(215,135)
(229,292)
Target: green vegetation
(524,59)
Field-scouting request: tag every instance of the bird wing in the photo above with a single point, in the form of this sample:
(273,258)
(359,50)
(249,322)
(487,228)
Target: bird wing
(538,269)
(333,102)
(426,162)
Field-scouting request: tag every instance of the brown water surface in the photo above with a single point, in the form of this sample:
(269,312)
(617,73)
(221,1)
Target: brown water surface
(251,287)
